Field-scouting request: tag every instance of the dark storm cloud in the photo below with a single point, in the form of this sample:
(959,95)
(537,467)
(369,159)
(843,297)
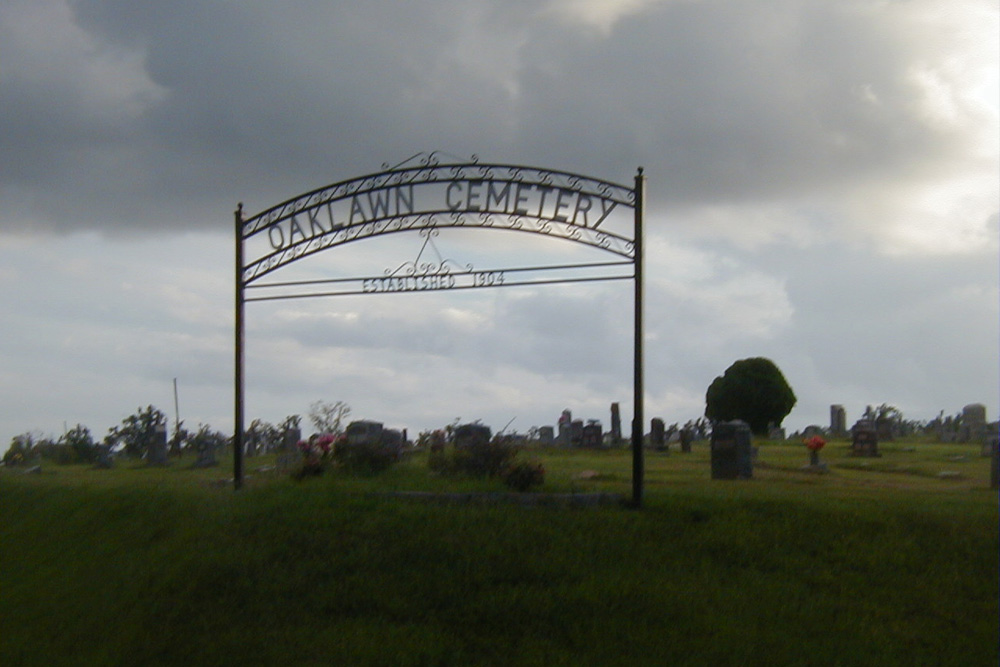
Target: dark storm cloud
(224,101)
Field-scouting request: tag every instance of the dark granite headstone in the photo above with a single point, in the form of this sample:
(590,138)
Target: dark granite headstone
(565,420)
(616,424)
(468,435)
(686,437)
(104,459)
(732,451)
(592,435)
(864,438)
(838,421)
(657,434)
(156,455)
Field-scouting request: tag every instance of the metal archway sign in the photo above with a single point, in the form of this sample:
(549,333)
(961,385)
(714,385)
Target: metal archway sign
(425,196)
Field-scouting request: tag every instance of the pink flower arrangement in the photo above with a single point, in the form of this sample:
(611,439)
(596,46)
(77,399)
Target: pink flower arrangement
(324,442)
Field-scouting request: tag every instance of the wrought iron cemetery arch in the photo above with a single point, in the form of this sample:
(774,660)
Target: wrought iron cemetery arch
(424,195)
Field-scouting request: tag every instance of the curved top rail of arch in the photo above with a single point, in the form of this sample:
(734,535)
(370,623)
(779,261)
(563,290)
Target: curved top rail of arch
(422,193)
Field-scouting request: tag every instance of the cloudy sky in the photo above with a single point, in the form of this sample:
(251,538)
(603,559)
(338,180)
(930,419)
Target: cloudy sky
(822,191)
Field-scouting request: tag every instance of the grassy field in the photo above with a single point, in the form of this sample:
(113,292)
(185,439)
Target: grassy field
(881,561)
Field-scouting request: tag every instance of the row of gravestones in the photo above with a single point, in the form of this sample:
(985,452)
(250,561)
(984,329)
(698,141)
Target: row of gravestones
(972,427)
(733,452)
(156,452)
(573,432)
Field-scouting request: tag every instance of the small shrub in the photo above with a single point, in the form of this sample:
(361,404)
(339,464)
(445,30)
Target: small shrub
(524,475)
(484,458)
(309,468)
(439,461)
(369,458)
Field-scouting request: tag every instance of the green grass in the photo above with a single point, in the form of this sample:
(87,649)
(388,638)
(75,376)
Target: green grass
(884,564)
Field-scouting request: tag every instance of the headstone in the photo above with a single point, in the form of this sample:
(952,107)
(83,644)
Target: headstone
(468,435)
(565,419)
(973,428)
(250,445)
(365,431)
(732,451)
(576,432)
(864,438)
(206,456)
(289,456)
(686,437)
(811,430)
(104,459)
(657,434)
(546,436)
(838,421)
(616,424)
(775,433)
(157,452)
(592,435)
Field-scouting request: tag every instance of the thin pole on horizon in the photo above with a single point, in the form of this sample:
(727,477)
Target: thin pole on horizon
(177,414)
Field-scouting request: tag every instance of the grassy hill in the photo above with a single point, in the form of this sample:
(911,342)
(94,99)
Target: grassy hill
(887,563)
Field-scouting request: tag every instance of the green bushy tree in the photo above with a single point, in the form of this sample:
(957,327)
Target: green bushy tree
(136,431)
(753,390)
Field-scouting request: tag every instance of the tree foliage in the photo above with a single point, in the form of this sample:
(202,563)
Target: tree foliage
(136,431)
(206,439)
(753,390)
(329,417)
(21,449)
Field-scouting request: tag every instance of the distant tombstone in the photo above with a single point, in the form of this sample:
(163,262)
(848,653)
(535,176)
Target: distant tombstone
(686,437)
(592,435)
(732,451)
(811,430)
(470,435)
(289,456)
(576,432)
(250,445)
(565,420)
(206,456)
(104,460)
(657,434)
(364,431)
(838,420)
(775,433)
(616,424)
(973,428)
(157,452)
(546,436)
(864,438)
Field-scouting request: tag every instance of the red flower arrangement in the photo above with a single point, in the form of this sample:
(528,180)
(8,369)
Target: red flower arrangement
(815,443)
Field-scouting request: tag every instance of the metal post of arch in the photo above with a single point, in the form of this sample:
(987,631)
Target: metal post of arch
(426,196)
(638,365)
